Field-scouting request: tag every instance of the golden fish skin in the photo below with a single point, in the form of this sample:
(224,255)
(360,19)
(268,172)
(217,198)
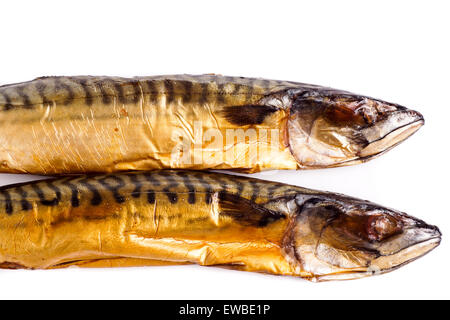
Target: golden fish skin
(86,124)
(180,217)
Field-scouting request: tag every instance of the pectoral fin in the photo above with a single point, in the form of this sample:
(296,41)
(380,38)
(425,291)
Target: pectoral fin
(246,212)
(247,114)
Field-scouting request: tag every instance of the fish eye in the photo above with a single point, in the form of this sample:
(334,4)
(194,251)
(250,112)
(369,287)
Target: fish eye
(380,227)
(345,112)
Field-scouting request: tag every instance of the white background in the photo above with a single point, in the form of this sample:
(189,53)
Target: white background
(397,51)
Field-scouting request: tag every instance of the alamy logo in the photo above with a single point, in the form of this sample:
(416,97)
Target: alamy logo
(214,146)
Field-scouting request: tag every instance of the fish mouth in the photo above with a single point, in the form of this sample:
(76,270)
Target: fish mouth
(385,263)
(391,139)
(379,146)
(404,256)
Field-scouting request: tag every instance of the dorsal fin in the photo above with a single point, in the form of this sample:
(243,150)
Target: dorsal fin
(246,212)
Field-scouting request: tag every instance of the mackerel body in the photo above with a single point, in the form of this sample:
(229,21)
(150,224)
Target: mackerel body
(84,124)
(177,217)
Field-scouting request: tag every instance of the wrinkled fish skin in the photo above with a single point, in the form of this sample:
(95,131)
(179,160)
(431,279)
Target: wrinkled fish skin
(57,125)
(178,217)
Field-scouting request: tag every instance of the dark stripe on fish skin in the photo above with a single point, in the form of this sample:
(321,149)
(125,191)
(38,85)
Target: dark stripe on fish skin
(204,93)
(255,190)
(96,197)
(272,189)
(113,188)
(150,196)
(40,87)
(25,98)
(237,88)
(74,200)
(136,92)
(136,193)
(89,100)
(41,195)
(206,185)
(26,205)
(239,186)
(150,193)
(170,95)
(152,91)
(55,189)
(151,178)
(119,93)
(70,94)
(222,183)
(247,114)
(221,93)
(106,98)
(225,184)
(173,197)
(187,96)
(249,93)
(8,104)
(187,182)
(8,202)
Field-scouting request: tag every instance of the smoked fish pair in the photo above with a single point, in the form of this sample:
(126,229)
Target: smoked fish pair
(121,214)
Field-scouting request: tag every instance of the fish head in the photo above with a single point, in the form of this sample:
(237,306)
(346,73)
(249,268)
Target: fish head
(330,128)
(337,237)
